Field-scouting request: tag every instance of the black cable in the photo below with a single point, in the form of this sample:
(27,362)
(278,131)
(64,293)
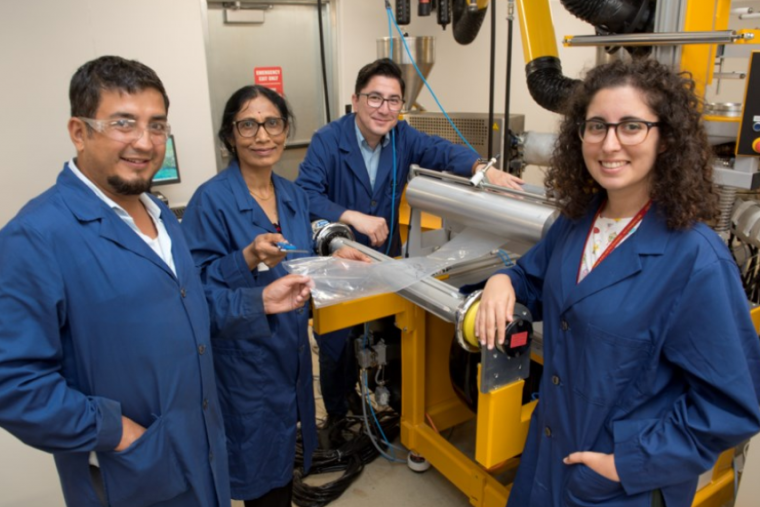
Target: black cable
(350,458)
(492,79)
(324,64)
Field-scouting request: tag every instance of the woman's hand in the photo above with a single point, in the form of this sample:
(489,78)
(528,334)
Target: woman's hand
(497,305)
(351,253)
(286,294)
(264,249)
(603,464)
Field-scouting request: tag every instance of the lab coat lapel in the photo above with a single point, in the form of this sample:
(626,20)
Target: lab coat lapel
(625,261)
(246,202)
(286,208)
(353,158)
(87,207)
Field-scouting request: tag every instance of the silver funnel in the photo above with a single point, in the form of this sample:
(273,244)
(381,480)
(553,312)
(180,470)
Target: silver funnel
(423,52)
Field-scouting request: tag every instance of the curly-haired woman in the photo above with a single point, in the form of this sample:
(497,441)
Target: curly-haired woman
(651,361)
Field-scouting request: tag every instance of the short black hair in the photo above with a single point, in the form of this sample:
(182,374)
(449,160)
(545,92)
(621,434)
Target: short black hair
(382,67)
(110,73)
(239,99)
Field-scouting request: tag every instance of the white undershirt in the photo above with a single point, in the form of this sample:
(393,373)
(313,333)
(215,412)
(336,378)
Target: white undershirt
(161,244)
(603,232)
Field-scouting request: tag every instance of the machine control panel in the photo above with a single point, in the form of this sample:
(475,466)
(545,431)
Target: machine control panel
(748,143)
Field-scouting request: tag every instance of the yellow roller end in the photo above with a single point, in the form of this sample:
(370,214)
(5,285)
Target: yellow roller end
(468,326)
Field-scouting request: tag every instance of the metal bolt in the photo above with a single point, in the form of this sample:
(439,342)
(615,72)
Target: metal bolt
(495,375)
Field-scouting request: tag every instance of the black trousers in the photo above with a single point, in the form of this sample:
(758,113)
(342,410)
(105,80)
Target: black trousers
(277,497)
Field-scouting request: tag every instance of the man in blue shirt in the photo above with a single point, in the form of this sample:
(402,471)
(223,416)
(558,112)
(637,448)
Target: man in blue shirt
(354,172)
(105,358)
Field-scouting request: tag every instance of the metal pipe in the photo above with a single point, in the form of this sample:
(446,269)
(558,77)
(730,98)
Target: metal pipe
(435,296)
(530,192)
(656,39)
(514,218)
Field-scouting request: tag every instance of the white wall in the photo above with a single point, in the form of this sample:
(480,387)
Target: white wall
(42,43)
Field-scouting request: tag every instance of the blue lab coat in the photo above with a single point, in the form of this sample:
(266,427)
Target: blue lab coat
(652,357)
(93,326)
(263,366)
(335,178)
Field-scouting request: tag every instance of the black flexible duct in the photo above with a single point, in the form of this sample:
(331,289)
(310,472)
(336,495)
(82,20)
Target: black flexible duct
(547,85)
(466,23)
(613,16)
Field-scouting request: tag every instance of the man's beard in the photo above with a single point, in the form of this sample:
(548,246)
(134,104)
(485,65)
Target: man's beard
(122,187)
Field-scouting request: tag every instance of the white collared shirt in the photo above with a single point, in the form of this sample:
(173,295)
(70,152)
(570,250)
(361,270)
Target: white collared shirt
(161,244)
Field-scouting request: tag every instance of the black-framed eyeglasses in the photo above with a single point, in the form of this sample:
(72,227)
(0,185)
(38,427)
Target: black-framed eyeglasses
(248,127)
(628,132)
(375,100)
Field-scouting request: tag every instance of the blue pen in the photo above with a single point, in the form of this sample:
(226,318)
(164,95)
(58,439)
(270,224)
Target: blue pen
(290,248)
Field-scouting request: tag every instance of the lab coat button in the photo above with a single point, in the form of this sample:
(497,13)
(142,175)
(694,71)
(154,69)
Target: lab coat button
(205,404)
(564,325)
(211,456)
(373,203)
(201,349)
(555,380)
(548,431)
(183,292)
(300,349)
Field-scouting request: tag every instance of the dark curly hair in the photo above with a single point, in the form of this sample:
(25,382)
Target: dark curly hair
(682,184)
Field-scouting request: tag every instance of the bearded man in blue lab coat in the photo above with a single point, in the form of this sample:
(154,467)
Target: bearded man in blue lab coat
(355,171)
(104,328)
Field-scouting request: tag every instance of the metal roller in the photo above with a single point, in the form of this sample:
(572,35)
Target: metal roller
(514,218)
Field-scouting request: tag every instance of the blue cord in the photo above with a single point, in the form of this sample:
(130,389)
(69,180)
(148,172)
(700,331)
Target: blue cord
(393,142)
(504,256)
(401,34)
(374,416)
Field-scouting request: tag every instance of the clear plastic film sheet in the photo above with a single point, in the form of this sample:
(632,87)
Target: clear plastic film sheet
(338,280)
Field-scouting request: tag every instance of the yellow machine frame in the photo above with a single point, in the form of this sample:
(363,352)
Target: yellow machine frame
(502,419)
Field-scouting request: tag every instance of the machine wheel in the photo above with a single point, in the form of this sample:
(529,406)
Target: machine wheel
(417,463)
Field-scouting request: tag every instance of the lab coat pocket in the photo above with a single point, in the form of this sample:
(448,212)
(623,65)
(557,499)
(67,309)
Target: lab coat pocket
(145,473)
(607,364)
(587,488)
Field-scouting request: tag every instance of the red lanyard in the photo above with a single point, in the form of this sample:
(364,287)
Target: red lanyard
(618,239)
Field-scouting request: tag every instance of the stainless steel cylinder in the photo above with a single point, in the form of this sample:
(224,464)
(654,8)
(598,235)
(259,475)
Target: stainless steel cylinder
(497,214)
(435,296)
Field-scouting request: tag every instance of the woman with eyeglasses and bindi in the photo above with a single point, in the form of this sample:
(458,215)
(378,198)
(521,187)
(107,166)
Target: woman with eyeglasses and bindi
(651,361)
(240,225)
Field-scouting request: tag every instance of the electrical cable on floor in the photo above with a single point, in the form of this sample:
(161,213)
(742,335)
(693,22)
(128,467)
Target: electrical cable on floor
(350,458)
